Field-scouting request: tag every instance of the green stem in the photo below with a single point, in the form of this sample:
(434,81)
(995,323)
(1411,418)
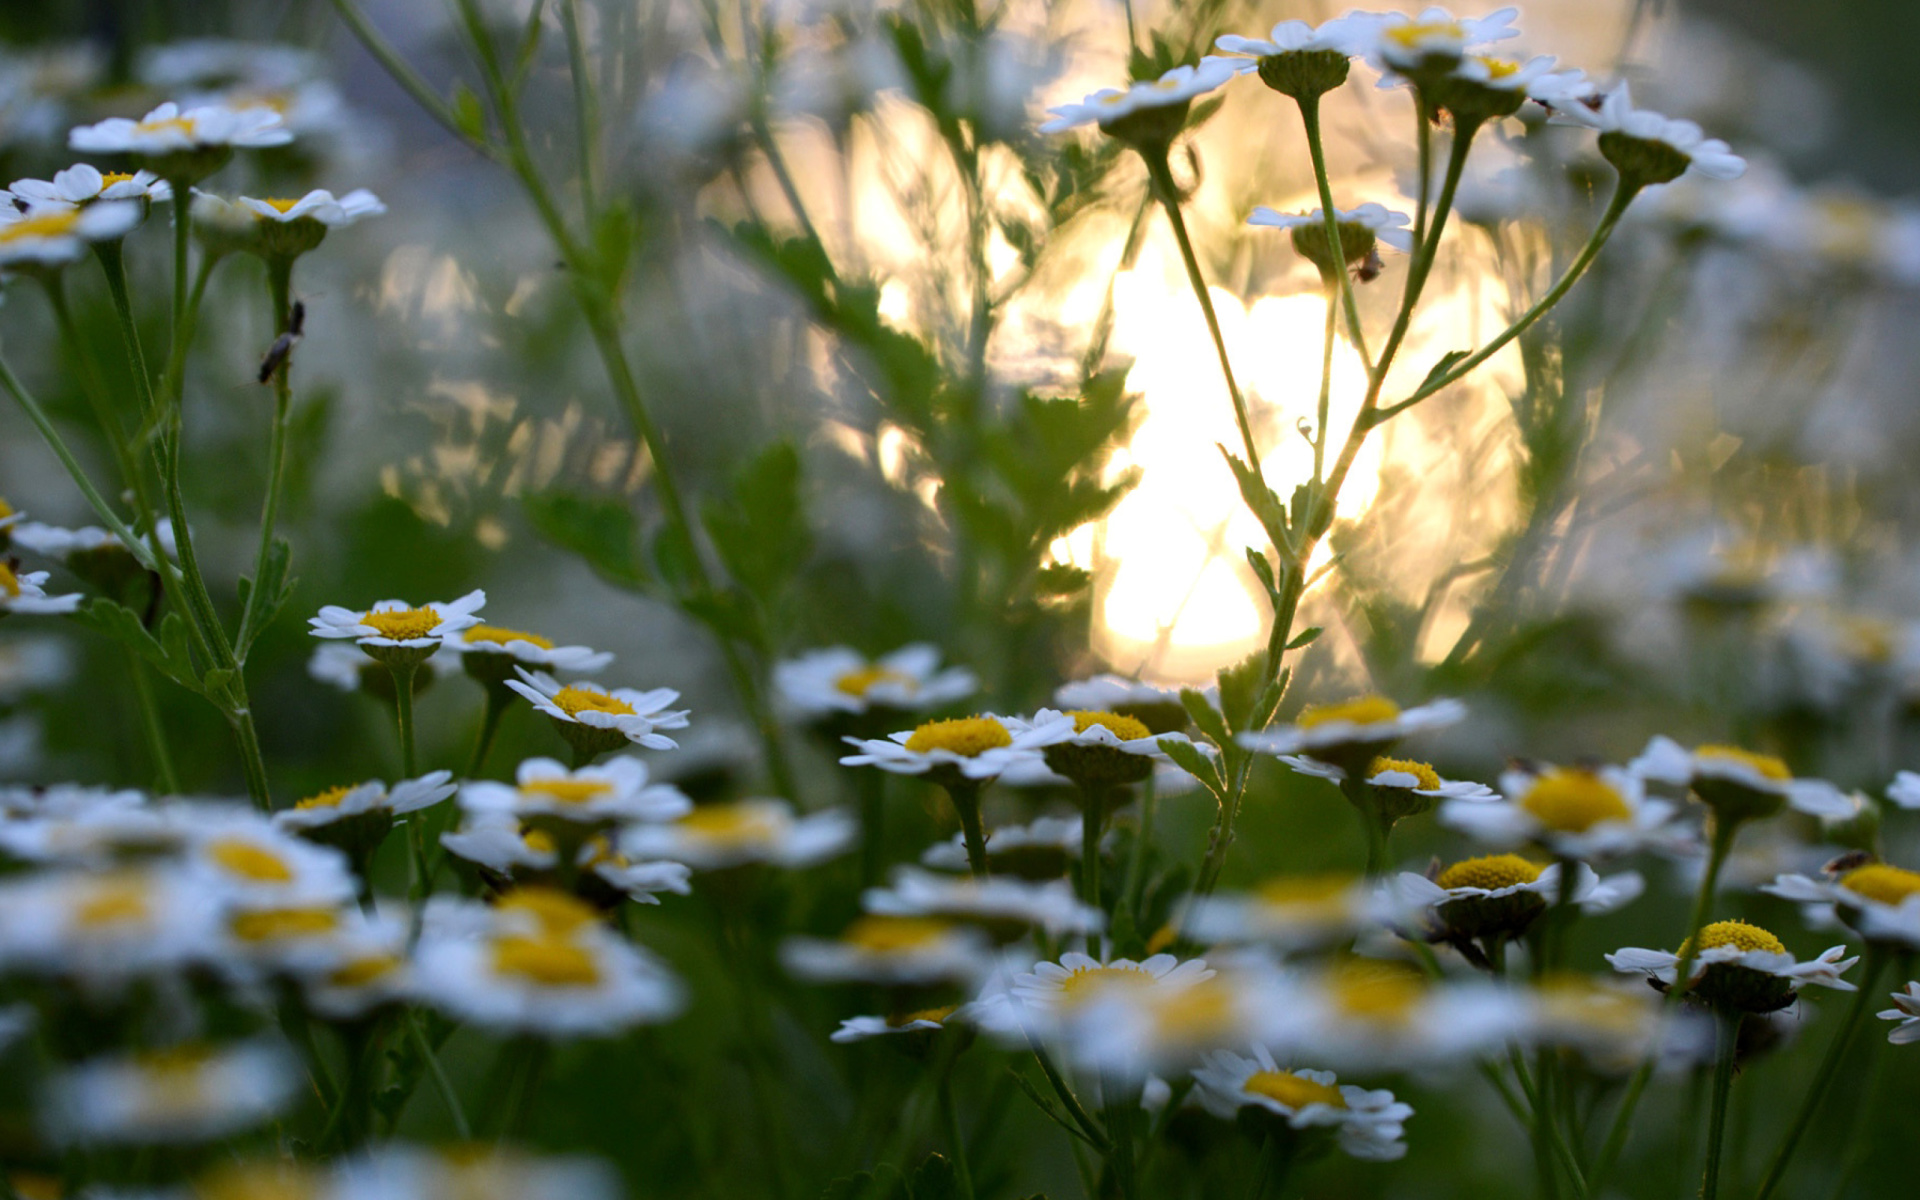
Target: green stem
(280,287)
(499,698)
(461,1128)
(955,1137)
(532,1074)
(1863,1002)
(873,816)
(418,89)
(156,734)
(1090,1131)
(965,797)
(1094,798)
(1727,1031)
(98,398)
(363,1053)
(113,265)
(1136,880)
(1122,1104)
(403,674)
(586,107)
(1161,175)
(1326,378)
(1310,117)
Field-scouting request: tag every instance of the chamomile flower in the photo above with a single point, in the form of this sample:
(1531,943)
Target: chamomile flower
(1402,787)
(396,632)
(923,1021)
(248,861)
(1159,709)
(538,963)
(1100,747)
(1381,1014)
(1739,966)
(1906,1015)
(395,1172)
(51,235)
(1436,37)
(894,951)
(186,1094)
(66,545)
(715,836)
(169,130)
(1646,147)
(1042,1001)
(356,818)
(104,928)
(1738,784)
(25,593)
(1613,1023)
(1346,36)
(614,791)
(308,943)
(1369,1124)
(1149,112)
(978,748)
(839,679)
(1041,849)
(1296,911)
(1005,906)
(1362,230)
(1879,900)
(1571,812)
(1352,730)
(1904,791)
(487,650)
(82,184)
(317,205)
(1498,896)
(595,720)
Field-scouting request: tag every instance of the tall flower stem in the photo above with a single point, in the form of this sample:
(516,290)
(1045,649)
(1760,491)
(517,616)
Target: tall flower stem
(1863,1001)
(280,288)
(1310,118)
(1727,1038)
(872,786)
(1122,1113)
(104,511)
(956,1138)
(964,794)
(403,675)
(461,1127)
(499,699)
(1094,799)
(98,398)
(156,733)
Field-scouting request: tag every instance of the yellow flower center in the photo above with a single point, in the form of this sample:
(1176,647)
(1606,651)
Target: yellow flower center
(1087,982)
(109,178)
(937,1015)
(281,205)
(575,699)
(967,737)
(46,224)
(9,582)
(500,637)
(169,124)
(403,624)
(1767,765)
(566,791)
(113,902)
(1293,1091)
(548,960)
(893,935)
(1878,881)
(363,971)
(1498,68)
(1204,1011)
(730,824)
(1367,710)
(1428,777)
(1325,892)
(275,924)
(1571,800)
(330,798)
(859,683)
(1127,729)
(1490,871)
(1411,33)
(539,841)
(1383,992)
(555,912)
(6,510)
(258,1181)
(1737,934)
(245,859)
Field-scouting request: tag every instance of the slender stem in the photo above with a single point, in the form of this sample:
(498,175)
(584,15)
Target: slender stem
(441,1083)
(1727,1031)
(965,797)
(156,733)
(279,286)
(873,825)
(1136,880)
(1074,1108)
(1094,798)
(532,1074)
(499,698)
(1310,117)
(363,1052)
(955,1137)
(1326,378)
(586,105)
(1161,176)
(1425,251)
(1423,139)
(1122,1104)
(422,93)
(1543,1127)
(1863,1001)
(403,675)
(108,517)
(113,265)
(97,396)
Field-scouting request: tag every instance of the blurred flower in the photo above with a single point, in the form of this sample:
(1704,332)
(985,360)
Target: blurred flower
(1646,147)
(491,642)
(1296,911)
(1111,108)
(594,719)
(1571,812)
(1500,895)
(25,593)
(81,184)
(616,790)
(1041,849)
(1880,901)
(1395,41)
(1369,1014)
(1158,708)
(62,545)
(976,748)
(714,836)
(50,235)
(169,130)
(1369,1123)
(1005,906)
(344,667)
(1348,35)
(839,679)
(1906,1013)
(105,928)
(350,800)
(31,664)
(1404,774)
(1362,728)
(245,859)
(207,62)
(317,205)
(1904,791)
(1739,966)
(1738,783)
(473,1173)
(894,951)
(1361,230)
(186,1094)
(1041,1002)
(1099,747)
(1614,1024)
(927,1020)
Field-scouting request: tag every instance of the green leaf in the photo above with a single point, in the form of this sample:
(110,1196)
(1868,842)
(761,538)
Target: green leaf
(1264,570)
(882,1183)
(168,653)
(1447,362)
(600,530)
(1240,688)
(1205,768)
(1059,580)
(935,1179)
(469,115)
(762,533)
(1259,498)
(1205,716)
(261,600)
(1304,638)
(677,560)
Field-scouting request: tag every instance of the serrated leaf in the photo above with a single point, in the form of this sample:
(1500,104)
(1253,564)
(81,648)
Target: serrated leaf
(1205,716)
(1264,570)
(1240,687)
(1056,580)
(1447,362)
(1304,638)
(761,534)
(1202,767)
(600,530)
(261,600)
(169,652)
(935,1179)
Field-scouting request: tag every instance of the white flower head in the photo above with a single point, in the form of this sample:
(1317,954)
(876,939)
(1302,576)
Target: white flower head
(604,718)
(1400,42)
(1360,227)
(860,1029)
(519,646)
(1732,780)
(352,800)
(614,791)
(61,544)
(318,205)
(1572,812)
(1649,148)
(1372,1014)
(1297,911)
(1160,709)
(1040,849)
(1371,722)
(1904,791)
(249,861)
(26,592)
(1906,1015)
(1370,1124)
(715,836)
(1613,1023)
(82,184)
(977,748)
(1405,774)
(395,624)
(1043,1003)
(50,235)
(1348,35)
(104,928)
(342,666)
(895,951)
(1879,900)
(1175,88)
(839,679)
(1000,903)
(1499,876)
(186,1094)
(1739,966)
(170,130)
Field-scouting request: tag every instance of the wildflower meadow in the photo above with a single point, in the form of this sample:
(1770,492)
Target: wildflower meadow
(958,600)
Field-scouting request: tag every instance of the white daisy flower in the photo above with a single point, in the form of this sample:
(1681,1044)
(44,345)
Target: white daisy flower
(1158,708)
(352,800)
(1367,725)
(1559,89)
(1739,966)
(1878,899)
(1112,105)
(76,832)
(1006,906)
(1464,897)
(247,860)
(1906,1012)
(1571,812)
(1370,1014)
(345,668)
(308,943)
(1904,791)
(32,664)
(396,1172)
(1040,1002)
(1100,747)
(64,799)
(186,1094)
(1369,1124)
(517,646)
(169,130)
(1041,849)
(1348,35)
(839,679)
(596,718)
(50,235)
(540,963)
(978,748)
(715,836)
(105,928)
(1361,229)
(82,184)
(1613,1023)
(1297,911)
(394,628)
(1738,782)
(1649,148)
(219,62)
(1403,773)
(1137,1031)
(860,1029)
(1400,42)
(894,951)
(495,839)
(616,790)
(61,545)
(318,205)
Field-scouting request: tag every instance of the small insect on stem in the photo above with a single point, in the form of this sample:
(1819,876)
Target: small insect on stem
(282,348)
(1368,269)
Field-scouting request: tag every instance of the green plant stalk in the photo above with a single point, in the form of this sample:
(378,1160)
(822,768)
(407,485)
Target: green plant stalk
(1090,1131)
(156,733)
(1310,118)
(461,1128)
(97,396)
(586,105)
(955,1137)
(964,795)
(363,1056)
(417,89)
(38,416)
(280,289)
(1829,1068)
(1122,1104)
(499,699)
(1094,798)
(533,1069)
(872,786)
(1727,1037)
(1326,378)
(1136,880)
